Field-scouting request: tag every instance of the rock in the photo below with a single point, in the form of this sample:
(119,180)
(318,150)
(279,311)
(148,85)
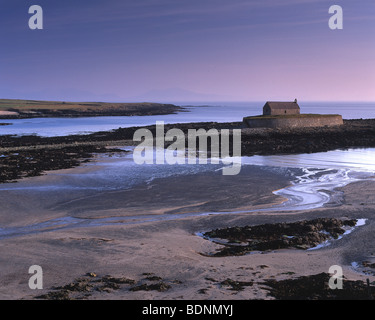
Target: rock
(91,274)
(301,235)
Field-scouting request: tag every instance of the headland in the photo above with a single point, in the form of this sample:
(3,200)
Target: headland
(19,109)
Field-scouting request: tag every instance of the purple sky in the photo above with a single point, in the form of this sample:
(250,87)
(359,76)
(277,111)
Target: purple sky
(169,50)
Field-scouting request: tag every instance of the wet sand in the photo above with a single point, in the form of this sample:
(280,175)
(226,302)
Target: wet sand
(165,259)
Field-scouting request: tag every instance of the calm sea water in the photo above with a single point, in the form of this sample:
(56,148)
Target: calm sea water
(197,112)
(312,187)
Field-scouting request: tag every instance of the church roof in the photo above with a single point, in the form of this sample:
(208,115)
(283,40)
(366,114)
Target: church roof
(282,105)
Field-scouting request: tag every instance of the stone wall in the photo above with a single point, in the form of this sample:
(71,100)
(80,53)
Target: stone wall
(280,112)
(293,121)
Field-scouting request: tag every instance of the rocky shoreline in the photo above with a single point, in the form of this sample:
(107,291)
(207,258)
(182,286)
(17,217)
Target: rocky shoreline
(31,155)
(91,283)
(303,235)
(315,287)
(352,134)
(30,163)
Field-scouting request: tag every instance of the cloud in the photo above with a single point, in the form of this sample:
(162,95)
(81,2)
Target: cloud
(178,95)
(129,11)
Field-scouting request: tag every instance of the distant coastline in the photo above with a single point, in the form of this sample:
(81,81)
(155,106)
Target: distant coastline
(21,109)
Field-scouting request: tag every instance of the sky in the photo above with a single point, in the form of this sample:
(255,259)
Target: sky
(194,50)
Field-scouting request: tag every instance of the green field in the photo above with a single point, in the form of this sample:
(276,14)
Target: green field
(33,108)
(27,105)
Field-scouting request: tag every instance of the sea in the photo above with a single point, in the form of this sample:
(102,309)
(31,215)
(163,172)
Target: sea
(194,112)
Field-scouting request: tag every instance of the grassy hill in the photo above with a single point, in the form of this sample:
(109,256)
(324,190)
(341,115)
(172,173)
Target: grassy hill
(34,108)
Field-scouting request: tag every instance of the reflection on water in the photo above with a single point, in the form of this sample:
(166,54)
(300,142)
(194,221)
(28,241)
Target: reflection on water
(356,159)
(321,174)
(51,127)
(121,172)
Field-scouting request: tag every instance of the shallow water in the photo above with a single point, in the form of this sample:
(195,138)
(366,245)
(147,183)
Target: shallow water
(323,172)
(314,186)
(359,159)
(360,223)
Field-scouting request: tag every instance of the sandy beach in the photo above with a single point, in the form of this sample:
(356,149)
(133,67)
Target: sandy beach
(138,258)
